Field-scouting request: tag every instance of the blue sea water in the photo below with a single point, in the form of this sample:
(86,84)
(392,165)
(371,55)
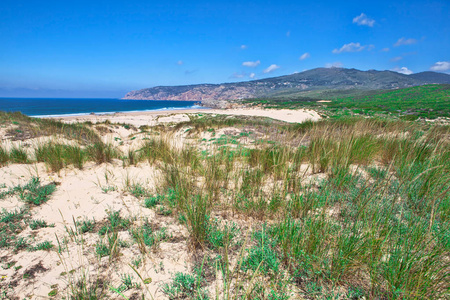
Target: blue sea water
(42,107)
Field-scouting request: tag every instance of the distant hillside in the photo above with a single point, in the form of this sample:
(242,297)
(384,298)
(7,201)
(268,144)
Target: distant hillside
(426,101)
(292,85)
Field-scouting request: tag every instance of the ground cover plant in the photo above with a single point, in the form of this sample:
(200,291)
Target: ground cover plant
(341,208)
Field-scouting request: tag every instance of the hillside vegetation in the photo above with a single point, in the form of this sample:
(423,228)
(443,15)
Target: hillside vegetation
(427,101)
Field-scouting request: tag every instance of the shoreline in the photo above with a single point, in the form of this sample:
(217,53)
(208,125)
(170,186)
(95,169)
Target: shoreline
(111,113)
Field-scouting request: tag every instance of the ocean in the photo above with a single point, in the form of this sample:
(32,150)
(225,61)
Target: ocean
(45,107)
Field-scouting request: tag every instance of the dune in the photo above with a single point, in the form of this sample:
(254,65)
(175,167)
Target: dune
(152,118)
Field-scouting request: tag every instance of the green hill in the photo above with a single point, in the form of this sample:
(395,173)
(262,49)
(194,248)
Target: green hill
(426,101)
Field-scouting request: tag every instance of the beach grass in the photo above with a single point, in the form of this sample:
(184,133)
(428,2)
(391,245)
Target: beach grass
(342,208)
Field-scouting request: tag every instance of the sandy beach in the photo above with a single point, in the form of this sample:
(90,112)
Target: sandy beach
(152,118)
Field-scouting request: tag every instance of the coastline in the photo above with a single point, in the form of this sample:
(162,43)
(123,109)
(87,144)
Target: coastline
(110,113)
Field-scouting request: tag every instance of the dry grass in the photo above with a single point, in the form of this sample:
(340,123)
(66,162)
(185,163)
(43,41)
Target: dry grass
(339,209)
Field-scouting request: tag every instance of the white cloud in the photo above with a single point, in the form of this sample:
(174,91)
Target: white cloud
(252,75)
(350,47)
(336,64)
(402,41)
(402,70)
(397,58)
(288,33)
(243,47)
(305,56)
(385,50)
(441,66)
(271,68)
(362,19)
(180,62)
(251,64)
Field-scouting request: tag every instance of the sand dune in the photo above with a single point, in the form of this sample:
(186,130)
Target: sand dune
(153,118)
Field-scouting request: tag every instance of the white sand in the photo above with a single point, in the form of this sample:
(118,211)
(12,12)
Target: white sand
(153,118)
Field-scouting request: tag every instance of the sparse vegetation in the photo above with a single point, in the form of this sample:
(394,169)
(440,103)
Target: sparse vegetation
(324,233)
(35,193)
(57,156)
(346,208)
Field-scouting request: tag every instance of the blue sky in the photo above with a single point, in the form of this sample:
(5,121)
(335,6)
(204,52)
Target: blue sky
(105,48)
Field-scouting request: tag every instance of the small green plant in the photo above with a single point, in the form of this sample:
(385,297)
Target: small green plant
(36,224)
(12,216)
(115,223)
(218,237)
(146,236)
(137,262)
(35,193)
(127,283)
(153,201)
(21,243)
(102,250)
(87,288)
(46,245)
(185,286)
(86,225)
(138,190)
(110,188)
(262,257)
